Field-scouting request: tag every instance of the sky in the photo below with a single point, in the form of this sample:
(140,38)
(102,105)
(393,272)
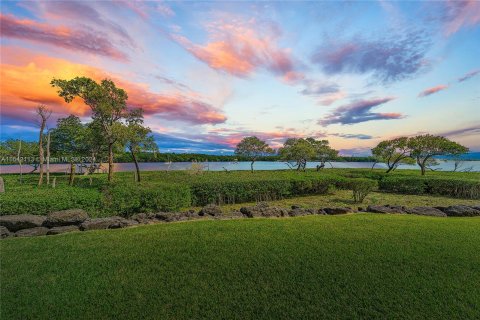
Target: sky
(208,74)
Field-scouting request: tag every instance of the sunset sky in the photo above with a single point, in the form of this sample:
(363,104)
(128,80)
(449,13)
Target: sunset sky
(209,73)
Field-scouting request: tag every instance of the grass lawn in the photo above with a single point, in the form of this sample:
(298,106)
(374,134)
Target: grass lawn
(326,267)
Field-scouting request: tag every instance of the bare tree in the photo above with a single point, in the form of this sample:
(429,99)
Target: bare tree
(48,158)
(43,113)
(19,159)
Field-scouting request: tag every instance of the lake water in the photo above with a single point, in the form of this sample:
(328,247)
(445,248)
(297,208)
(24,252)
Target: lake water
(444,165)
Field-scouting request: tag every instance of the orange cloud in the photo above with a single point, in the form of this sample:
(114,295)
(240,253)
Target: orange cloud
(60,36)
(26,83)
(432,90)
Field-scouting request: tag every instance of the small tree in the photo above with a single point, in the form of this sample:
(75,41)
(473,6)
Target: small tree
(323,151)
(252,148)
(137,137)
(108,104)
(43,115)
(392,152)
(425,147)
(68,140)
(298,150)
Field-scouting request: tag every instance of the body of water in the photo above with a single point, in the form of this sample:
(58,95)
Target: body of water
(444,165)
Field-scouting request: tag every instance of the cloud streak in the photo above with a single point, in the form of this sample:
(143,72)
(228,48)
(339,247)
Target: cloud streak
(359,111)
(388,59)
(432,90)
(64,37)
(469,75)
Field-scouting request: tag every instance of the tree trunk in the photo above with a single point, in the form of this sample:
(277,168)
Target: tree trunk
(137,168)
(72,173)
(19,159)
(110,161)
(40,151)
(251,165)
(48,158)
(390,168)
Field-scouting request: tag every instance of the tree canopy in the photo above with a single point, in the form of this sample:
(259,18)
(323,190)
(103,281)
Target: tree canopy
(252,148)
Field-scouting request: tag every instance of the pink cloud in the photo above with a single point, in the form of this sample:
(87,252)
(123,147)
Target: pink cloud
(432,90)
(61,36)
(460,14)
(469,75)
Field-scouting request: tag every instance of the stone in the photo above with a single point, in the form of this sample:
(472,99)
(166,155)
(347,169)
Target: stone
(173,216)
(4,233)
(21,221)
(426,211)
(321,211)
(211,210)
(461,211)
(385,209)
(2,185)
(65,218)
(295,206)
(334,211)
(63,229)
(32,232)
(106,223)
(261,210)
(144,218)
(300,212)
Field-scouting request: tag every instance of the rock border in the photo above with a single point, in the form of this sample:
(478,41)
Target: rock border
(26,225)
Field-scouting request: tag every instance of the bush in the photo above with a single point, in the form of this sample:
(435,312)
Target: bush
(127,199)
(408,185)
(361,187)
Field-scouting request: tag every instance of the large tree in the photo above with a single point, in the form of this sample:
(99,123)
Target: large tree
(424,147)
(323,151)
(68,141)
(252,148)
(298,150)
(392,152)
(108,104)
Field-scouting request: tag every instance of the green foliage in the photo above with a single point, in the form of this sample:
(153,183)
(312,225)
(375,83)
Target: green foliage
(298,150)
(392,152)
(124,199)
(361,188)
(252,148)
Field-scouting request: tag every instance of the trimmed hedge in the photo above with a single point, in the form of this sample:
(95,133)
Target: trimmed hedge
(458,188)
(128,199)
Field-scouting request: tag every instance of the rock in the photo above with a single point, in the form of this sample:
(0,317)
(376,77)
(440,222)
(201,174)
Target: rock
(32,232)
(300,212)
(22,221)
(144,217)
(4,233)
(211,210)
(321,211)
(175,216)
(261,210)
(106,223)
(63,229)
(337,210)
(295,206)
(426,211)
(386,209)
(461,211)
(361,209)
(65,218)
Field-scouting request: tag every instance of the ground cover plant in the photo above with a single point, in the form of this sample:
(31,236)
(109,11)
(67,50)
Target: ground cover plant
(329,267)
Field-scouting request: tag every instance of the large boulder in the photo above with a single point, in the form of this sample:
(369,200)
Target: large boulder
(461,211)
(210,210)
(63,229)
(65,218)
(297,211)
(4,233)
(426,211)
(386,209)
(21,221)
(106,223)
(263,210)
(144,218)
(334,211)
(32,232)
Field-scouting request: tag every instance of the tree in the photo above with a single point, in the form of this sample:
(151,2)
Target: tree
(424,147)
(108,104)
(392,152)
(298,150)
(252,148)
(68,140)
(137,138)
(323,151)
(43,114)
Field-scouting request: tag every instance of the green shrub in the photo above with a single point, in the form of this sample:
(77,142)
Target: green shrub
(127,199)
(361,187)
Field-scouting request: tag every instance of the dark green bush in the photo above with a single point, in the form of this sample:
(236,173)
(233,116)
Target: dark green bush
(361,187)
(127,199)
(408,185)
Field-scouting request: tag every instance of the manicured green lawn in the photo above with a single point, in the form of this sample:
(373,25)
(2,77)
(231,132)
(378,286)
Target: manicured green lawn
(325,267)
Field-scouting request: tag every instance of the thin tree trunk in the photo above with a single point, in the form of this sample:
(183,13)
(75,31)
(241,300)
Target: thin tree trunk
(40,151)
(19,159)
(48,158)
(72,174)
(251,165)
(137,168)
(110,161)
